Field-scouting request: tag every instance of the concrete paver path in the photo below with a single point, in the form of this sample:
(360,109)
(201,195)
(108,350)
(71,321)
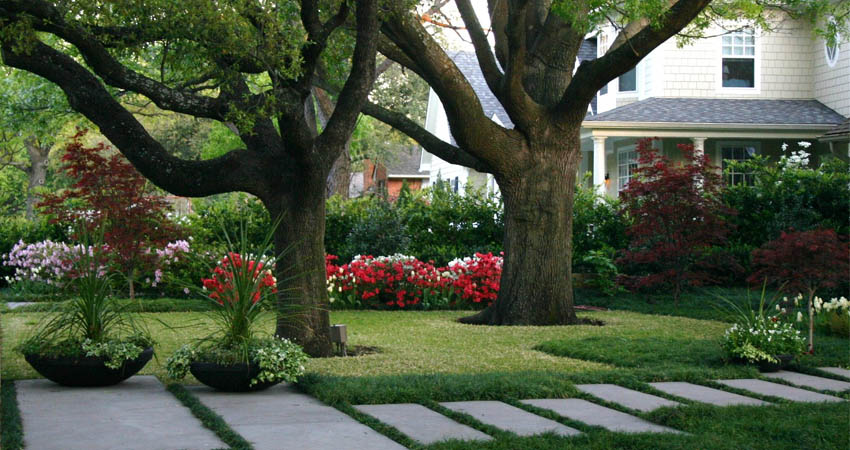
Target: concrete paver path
(705,394)
(779,390)
(837,371)
(593,414)
(282,418)
(801,379)
(422,424)
(629,398)
(136,414)
(510,418)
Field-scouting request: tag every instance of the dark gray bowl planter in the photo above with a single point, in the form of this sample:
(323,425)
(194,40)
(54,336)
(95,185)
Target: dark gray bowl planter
(86,371)
(784,361)
(229,377)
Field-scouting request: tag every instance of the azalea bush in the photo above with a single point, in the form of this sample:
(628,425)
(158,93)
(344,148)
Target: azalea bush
(401,281)
(45,262)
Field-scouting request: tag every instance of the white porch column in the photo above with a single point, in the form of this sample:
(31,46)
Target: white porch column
(699,146)
(599,164)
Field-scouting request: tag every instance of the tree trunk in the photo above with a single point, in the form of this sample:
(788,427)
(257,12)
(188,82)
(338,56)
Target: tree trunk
(36,173)
(302,298)
(340,176)
(536,285)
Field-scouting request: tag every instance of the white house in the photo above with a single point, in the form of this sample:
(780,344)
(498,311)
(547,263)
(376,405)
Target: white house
(732,96)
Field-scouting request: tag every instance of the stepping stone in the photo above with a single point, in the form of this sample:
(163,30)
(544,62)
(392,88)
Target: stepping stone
(626,397)
(836,371)
(13,305)
(705,394)
(510,418)
(779,390)
(593,414)
(422,424)
(136,414)
(281,418)
(800,379)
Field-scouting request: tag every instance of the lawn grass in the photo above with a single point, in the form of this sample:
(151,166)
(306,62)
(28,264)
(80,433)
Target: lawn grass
(210,419)
(11,433)
(428,357)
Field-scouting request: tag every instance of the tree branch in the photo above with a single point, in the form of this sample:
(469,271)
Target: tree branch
(592,75)
(486,60)
(235,171)
(357,86)
(426,139)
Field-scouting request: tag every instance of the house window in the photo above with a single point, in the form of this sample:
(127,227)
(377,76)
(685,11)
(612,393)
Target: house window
(739,59)
(601,48)
(831,52)
(628,81)
(737,152)
(455,184)
(626,165)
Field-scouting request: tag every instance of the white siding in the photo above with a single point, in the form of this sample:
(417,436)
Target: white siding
(832,84)
(783,66)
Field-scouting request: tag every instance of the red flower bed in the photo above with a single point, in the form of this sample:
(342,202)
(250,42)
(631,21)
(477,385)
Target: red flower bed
(401,281)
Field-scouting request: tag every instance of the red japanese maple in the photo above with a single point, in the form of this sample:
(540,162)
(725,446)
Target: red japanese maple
(803,262)
(108,193)
(678,216)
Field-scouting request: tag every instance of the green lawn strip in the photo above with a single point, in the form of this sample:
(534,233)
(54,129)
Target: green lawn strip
(138,305)
(12,431)
(209,418)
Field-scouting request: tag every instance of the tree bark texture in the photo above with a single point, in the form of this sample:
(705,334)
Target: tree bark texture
(302,302)
(536,284)
(36,173)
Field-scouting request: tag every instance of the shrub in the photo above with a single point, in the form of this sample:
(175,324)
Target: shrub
(803,262)
(17,229)
(677,218)
(443,224)
(598,226)
(396,281)
(477,279)
(786,195)
(381,232)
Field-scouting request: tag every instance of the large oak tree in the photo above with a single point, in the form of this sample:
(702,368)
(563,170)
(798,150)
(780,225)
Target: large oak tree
(532,72)
(246,63)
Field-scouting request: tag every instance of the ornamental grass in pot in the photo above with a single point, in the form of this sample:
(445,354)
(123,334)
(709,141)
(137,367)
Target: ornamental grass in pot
(92,341)
(237,356)
(765,337)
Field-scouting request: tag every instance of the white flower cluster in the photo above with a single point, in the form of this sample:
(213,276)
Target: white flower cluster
(799,159)
(835,304)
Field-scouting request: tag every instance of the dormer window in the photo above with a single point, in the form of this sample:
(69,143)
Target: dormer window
(738,67)
(628,81)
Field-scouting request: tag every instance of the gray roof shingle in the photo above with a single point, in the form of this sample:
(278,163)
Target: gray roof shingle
(711,110)
(839,132)
(467,62)
(404,161)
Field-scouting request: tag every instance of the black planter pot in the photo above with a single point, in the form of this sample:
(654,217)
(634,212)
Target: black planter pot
(86,371)
(229,377)
(784,361)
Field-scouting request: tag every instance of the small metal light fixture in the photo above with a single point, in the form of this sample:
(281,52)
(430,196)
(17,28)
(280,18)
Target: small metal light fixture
(607,180)
(339,336)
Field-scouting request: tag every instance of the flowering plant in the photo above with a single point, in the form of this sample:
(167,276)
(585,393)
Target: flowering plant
(400,281)
(760,335)
(93,324)
(477,279)
(243,286)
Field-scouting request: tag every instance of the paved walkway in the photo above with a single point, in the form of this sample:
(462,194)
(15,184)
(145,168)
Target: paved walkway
(136,414)
(141,414)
